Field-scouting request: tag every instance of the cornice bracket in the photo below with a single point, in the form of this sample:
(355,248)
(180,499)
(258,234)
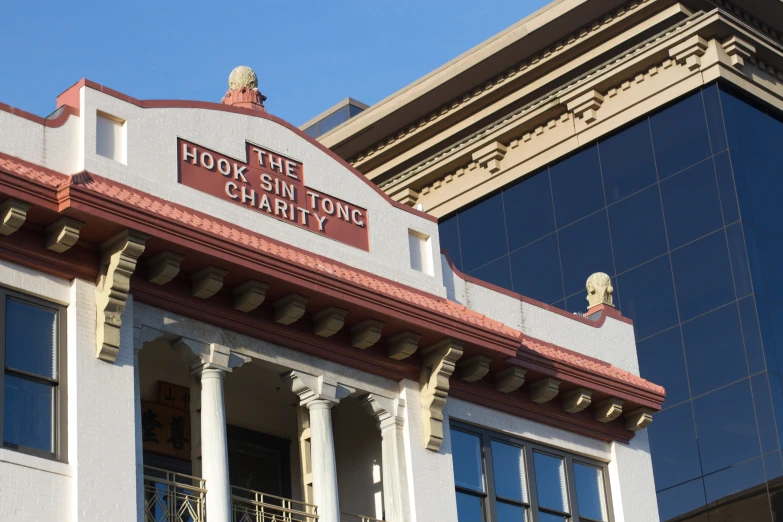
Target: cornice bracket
(585,107)
(490,156)
(249,295)
(13,214)
(207,282)
(439,363)
(366,333)
(510,379)
(163,268)
(638,419)
(119,256)
(62,234)
(738,50)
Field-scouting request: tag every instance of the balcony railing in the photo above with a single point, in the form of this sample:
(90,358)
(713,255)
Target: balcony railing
(172,497)
(252,506)
(350,517)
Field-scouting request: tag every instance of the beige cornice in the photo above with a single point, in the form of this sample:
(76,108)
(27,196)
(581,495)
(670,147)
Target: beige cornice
(698,51)
(528,75)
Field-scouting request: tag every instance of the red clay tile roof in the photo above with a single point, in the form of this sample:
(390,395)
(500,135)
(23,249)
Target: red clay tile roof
(177,212)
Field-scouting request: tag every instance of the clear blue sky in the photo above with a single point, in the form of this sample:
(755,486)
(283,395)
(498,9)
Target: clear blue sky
(308,54)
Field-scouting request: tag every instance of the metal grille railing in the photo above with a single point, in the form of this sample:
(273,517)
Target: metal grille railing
(350,517)
(173,497)
(252,506)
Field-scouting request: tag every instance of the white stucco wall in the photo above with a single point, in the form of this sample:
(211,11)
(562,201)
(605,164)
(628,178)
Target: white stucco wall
(613,341)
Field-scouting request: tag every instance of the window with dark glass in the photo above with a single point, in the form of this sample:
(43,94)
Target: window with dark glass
(504,479)
(31,389)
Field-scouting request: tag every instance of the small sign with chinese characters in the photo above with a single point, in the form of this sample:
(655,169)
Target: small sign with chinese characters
(165,430)
(174,395)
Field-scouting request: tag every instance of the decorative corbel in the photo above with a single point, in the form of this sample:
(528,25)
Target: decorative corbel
(599,290)
(638,419)
(490,156)
(207,282)
(119,256)
(13,214)
(62,234)
(689,52)
(474,368)
(510,379)
(439,363)
(164,267)
(608,410)
(403,345)
(738,50)
(577,400)
(544,390)
(329,321)
(585,106)
(289,309)
(249,295)
(366,333)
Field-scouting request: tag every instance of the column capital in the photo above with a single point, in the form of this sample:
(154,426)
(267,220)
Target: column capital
(207,356)
(315,388)
(388,413)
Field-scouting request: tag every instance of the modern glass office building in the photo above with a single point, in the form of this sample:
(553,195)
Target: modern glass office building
(684,209)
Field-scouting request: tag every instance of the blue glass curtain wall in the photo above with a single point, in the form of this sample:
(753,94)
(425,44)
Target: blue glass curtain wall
(684,210)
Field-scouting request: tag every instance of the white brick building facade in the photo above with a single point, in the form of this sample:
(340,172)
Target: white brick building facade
(270,367)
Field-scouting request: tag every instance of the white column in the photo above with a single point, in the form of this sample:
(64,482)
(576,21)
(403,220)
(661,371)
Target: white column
(211,364)
(390,416)
(323,461)
(214,448)
(319,396)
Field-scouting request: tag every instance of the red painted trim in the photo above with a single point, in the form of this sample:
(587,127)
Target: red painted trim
(68,98)
(552,414)
(58,121)
(228,245)
(611,312)
(254,325)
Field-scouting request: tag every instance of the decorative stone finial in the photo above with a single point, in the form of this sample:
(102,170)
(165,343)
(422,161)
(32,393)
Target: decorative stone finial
(243,90)
(599,290)
(242,76)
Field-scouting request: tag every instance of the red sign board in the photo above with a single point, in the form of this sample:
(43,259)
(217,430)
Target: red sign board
(272,184)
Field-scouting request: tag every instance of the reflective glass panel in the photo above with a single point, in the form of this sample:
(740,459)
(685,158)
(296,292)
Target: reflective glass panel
(638,234)
(529,211)
(548,517)
(772,314)
(497,272)
(27,414)
(736,479)
(739,260)
(765,417)
(577,187)
(680,136)
(714,350)
(773,466)
(648,297)
(551,482)
(449,239)
(584,249)
(702,276)
(673,447)
(691,204)
(728,194)
(726,424)
(469,508)
(681,499)
(662,361)
(752,335)
(509,464)
(482,233)
(714,119)
(590,496)
(627,162)
(770,255)
(30,338)
(535,270)
(466,456)
(510,512)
